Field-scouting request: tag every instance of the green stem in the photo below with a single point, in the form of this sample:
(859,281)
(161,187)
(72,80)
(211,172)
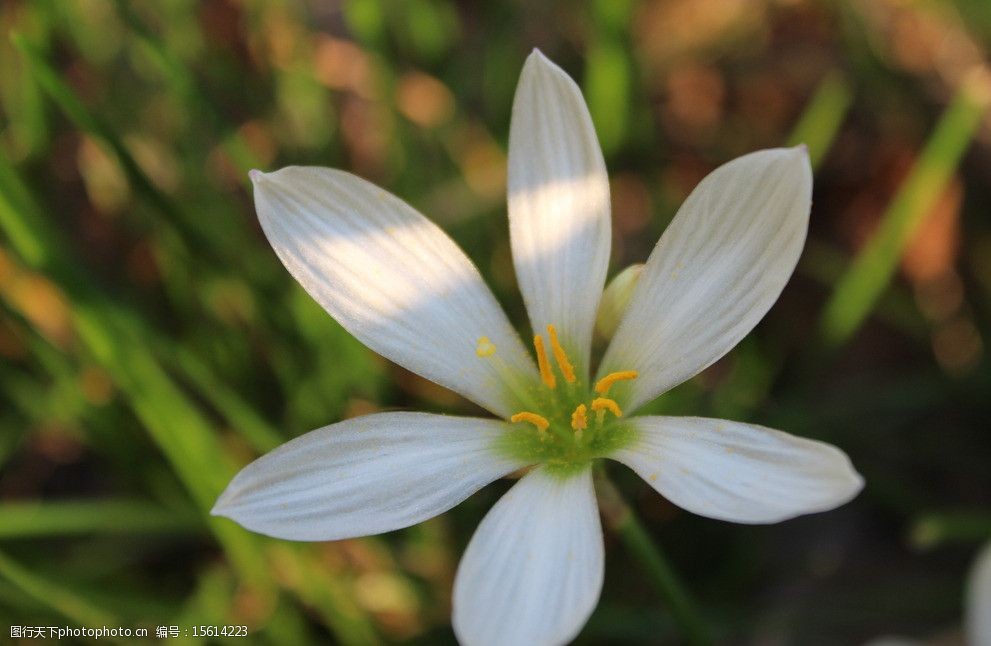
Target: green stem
(621,518)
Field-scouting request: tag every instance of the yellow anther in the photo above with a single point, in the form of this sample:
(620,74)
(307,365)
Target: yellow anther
(603,385)
(532,418)
(546,374)
(485,347)
(579,419)
(606,404)
(567,370)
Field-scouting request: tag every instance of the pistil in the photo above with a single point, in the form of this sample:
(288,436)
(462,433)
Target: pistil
(606,404)
(579,420)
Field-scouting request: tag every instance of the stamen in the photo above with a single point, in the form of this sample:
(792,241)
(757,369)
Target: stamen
(546,374)
(603,385)
(485,347)
(532,418)
(606,404)
(560,356)
(579,420)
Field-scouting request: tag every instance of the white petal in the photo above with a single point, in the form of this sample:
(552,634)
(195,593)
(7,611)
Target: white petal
(558,205)
(718,268)
(394,280)
(739,472)
(979,600)
(365,476)
(532,572)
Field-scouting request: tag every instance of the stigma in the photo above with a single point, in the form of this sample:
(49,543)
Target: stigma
(579,418)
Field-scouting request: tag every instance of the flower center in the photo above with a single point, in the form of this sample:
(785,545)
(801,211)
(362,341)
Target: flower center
(570,424)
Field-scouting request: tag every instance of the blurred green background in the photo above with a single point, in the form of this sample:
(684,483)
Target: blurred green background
(151,343)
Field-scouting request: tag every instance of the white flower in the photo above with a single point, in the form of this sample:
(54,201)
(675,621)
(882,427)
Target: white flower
(532,572)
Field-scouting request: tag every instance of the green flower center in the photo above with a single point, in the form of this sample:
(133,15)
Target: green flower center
(570,424)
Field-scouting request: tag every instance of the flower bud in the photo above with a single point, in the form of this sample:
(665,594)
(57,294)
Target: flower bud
(615,299)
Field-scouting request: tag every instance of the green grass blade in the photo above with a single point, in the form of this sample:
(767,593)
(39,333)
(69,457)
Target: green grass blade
(826,264)
(871,271)
(608,79)
(67,603)
(119,347)
(15,210)
(47,519)
(89,123)
(187,227)
(121,344)
(325,593)
(822,118)
(186,88)
(241,416)
(934,529)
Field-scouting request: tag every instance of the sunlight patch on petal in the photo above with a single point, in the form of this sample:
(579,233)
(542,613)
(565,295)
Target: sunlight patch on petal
(394,280)
(558,205)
